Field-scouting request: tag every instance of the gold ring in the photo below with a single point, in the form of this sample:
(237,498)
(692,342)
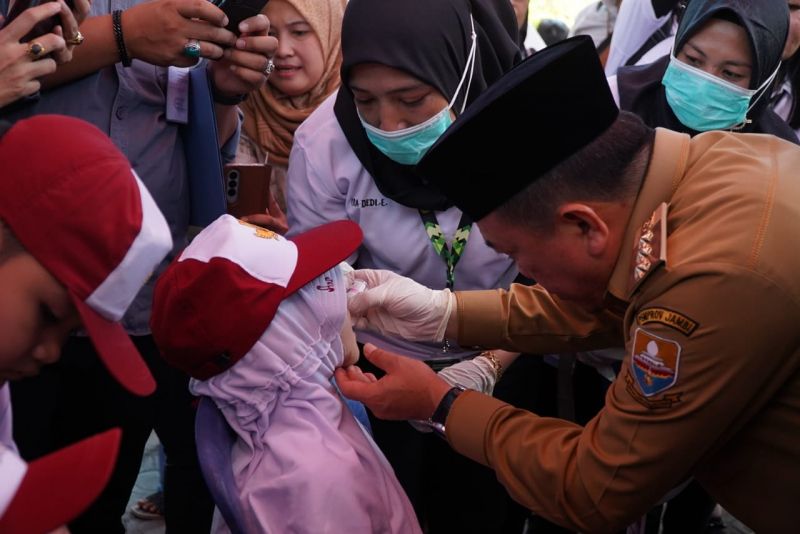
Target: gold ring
(36,50)
(76,39)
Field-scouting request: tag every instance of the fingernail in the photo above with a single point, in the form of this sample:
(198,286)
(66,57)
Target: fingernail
(240,43)
(244,27)
(369,347)
(225,21)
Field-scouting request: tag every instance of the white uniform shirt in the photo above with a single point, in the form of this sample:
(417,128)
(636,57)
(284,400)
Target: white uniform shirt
(636,22)
(326,182)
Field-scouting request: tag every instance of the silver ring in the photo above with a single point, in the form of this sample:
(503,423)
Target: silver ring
(269,68)
(192,48)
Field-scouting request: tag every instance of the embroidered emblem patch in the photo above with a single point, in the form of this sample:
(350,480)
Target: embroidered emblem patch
(654,362)
(669,318)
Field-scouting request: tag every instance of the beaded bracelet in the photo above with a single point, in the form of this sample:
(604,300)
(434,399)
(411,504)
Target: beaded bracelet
(116,22)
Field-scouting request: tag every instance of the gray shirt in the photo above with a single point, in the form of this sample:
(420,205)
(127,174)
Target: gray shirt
(129,104)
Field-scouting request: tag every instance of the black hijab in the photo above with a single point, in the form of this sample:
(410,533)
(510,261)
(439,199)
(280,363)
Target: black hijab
(431,40)
(766,23)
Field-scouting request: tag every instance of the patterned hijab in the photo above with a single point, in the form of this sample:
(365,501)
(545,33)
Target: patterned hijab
(271,117)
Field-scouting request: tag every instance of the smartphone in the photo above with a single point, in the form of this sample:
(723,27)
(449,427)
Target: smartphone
(42,27)
(247,188)
(238,10)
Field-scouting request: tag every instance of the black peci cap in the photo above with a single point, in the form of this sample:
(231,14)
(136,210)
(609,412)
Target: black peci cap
(531,119)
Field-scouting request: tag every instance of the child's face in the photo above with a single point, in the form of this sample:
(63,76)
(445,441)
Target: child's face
(36,316)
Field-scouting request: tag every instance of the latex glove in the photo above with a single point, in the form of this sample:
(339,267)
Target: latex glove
(477,373)
(399,306)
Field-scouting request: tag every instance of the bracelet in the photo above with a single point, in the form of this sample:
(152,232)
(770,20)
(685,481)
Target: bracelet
(495,361)
(116,22)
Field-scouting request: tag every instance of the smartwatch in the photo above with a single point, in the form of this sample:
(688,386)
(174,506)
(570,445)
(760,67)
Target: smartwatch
(439,417)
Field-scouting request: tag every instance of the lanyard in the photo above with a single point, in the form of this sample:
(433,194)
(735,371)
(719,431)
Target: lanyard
(436,235)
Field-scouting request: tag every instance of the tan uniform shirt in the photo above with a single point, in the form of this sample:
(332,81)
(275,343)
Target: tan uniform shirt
(710,385)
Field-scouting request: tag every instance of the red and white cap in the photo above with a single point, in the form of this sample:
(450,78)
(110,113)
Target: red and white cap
(226,286)
(73,201)
(41,496)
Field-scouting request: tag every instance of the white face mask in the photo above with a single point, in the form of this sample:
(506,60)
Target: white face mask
(409,145)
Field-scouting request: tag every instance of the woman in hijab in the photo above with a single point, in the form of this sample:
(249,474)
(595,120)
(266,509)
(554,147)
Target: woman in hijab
(306,72)
(408,69)
(725,58)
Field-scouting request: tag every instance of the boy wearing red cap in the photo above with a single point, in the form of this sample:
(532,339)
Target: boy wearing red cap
(64,267)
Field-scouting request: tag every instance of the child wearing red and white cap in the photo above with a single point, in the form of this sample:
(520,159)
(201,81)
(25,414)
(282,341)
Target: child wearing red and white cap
(260,322)
(79,236)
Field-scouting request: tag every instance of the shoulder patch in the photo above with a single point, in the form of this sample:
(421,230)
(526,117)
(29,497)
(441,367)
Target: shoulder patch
(654,362)
(665,402)
(667,317)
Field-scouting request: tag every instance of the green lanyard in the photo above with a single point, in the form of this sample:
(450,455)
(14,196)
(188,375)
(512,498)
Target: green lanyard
(435,234)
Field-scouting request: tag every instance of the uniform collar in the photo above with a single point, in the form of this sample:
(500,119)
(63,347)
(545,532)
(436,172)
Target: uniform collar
(665,171)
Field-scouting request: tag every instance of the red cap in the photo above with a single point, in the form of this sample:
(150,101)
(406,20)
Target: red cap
(214,301)
(73,201)
(55,489)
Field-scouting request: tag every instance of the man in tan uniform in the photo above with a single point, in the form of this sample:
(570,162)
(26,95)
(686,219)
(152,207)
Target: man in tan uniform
(687,250)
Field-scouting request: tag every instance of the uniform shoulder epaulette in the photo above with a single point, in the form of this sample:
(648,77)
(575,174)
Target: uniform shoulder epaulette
(650,248)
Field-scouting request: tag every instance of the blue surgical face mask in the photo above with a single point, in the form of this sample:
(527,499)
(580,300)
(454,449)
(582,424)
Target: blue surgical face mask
(407,146)
(703,102)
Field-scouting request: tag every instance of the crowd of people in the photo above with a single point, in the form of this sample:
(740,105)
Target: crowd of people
(509,277)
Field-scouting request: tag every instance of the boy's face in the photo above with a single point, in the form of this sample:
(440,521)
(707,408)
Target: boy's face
(36,316)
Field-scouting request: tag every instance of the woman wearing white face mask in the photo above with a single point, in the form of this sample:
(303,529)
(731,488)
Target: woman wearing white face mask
(726,56)
(408,69)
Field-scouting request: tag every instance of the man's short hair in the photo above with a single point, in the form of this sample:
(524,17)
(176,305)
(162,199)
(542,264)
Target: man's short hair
(608,169)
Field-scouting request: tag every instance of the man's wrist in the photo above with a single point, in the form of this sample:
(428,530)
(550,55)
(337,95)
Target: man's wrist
(219,96)
(438,418)
(120,38)
(436,393)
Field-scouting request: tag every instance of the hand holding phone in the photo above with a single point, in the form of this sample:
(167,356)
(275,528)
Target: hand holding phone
(42,27)
(238,10)
(247,188)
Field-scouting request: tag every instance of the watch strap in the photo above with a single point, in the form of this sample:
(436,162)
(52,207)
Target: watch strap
(439,417)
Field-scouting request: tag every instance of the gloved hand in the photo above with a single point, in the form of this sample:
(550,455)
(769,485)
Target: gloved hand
(395,305)
(477,373)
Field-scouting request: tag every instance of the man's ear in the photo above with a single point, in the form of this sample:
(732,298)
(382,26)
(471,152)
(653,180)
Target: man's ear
(585,222)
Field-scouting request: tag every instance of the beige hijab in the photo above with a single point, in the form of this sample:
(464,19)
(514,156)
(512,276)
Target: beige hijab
(271,117)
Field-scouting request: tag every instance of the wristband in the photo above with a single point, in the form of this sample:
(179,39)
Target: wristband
(116,22)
